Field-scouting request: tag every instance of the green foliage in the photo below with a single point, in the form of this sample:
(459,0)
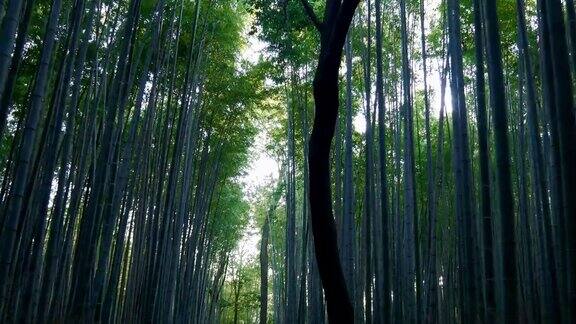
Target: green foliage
(285,27)
(241,293)
(229,217)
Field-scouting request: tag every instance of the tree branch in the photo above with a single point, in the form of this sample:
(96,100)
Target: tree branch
(311,14)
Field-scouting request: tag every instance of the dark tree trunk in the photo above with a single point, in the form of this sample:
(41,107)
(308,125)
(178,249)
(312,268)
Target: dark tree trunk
(333,30)
(486,207)
(368,216)
(505,196)
(412,251)
(383,278)
(566,123)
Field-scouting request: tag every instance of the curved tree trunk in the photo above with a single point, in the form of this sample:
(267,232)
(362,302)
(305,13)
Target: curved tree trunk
(338,17)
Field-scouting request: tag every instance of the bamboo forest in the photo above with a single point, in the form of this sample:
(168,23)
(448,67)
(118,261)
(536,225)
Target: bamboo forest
(288,161)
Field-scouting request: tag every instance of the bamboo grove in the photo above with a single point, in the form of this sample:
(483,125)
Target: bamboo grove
(119,157)
(452,161)
(426,166)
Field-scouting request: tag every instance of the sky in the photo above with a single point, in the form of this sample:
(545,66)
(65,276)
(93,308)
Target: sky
(262,170)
